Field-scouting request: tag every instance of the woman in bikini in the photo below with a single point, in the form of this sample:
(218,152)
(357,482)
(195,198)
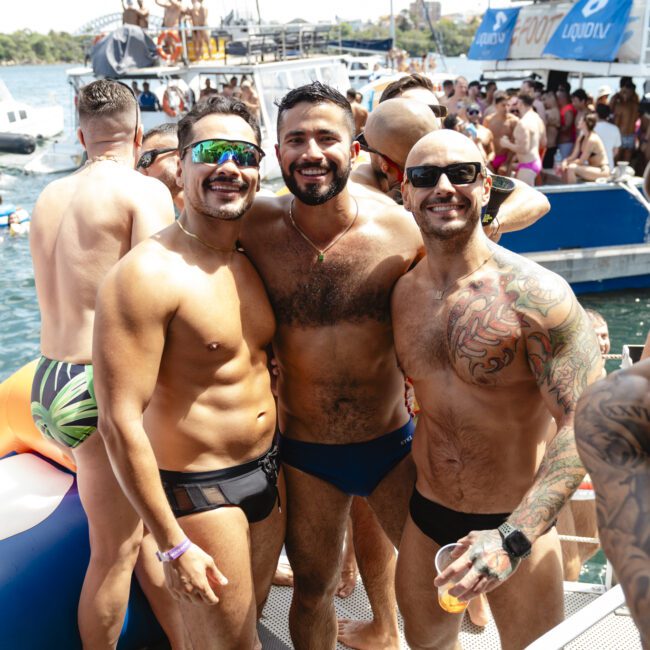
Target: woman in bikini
(588,161)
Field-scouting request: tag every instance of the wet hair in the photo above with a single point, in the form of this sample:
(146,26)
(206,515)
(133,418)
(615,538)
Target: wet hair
(215,105)
(590,121)
(401,85)
(166,128)
(603,111)
(500,96)
(105,97)
(351,94)
(451,121)
(526,98)
(580,94)
(315,93)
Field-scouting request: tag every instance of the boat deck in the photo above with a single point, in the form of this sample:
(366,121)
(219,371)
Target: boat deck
(614,632)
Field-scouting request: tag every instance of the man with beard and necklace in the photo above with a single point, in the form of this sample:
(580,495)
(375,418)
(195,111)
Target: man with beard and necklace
(186,408)
(329,259)
(496,346)
(159,159)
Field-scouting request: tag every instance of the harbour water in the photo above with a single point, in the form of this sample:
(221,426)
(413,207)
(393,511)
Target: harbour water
(628,313)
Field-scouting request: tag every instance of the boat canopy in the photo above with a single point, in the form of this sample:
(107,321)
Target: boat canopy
(612,34)
(125,48)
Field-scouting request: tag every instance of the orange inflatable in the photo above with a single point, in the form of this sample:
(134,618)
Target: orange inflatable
(17,429)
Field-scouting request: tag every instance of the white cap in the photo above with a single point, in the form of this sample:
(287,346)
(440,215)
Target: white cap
(604,90)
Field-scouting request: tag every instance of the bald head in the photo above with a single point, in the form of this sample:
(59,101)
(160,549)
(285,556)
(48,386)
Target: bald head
(443,147)
(397,124)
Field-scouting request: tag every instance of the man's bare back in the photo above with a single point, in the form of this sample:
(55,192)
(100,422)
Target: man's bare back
(81,226)
(501,126)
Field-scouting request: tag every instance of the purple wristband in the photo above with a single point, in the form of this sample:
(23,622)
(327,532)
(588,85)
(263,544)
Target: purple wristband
(174,553)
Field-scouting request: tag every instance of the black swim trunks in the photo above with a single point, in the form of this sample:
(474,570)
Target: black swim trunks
(251,486)
(446,526)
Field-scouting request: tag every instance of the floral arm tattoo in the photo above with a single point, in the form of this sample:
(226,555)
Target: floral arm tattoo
(613,436)
(564,358)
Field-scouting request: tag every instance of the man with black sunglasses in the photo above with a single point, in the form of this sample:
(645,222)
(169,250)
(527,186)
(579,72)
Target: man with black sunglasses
(159,159)
(392,130)
(183,325)
(82,225)
(496,346)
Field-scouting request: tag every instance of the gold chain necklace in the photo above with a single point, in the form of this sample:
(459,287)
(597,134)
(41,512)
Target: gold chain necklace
(205,243)
(321,251)
(439,294)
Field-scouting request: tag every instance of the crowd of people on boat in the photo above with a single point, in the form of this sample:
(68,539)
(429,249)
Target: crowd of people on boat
(543,135)
(156,377)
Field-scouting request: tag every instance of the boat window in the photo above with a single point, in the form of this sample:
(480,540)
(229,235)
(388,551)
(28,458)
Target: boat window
(303,77)
(23,115)
(275,85)
(12,116)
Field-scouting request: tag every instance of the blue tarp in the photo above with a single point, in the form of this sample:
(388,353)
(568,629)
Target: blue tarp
(591,31)
(492,39)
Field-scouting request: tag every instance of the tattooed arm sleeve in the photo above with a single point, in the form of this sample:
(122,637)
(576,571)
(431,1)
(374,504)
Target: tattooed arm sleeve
(613,436)
(564,356)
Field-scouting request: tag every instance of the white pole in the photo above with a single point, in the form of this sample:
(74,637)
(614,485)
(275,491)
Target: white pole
(392,24)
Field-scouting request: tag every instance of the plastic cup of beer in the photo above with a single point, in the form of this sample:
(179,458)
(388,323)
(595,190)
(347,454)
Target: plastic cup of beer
(448,602)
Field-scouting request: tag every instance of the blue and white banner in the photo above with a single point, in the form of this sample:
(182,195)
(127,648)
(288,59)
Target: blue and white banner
(492,39)
(592,31)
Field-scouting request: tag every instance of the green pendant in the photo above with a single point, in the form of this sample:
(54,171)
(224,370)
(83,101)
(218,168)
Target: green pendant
(321,257)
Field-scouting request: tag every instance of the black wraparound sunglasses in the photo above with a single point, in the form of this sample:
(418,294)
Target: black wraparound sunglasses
(457,173)
(148,158)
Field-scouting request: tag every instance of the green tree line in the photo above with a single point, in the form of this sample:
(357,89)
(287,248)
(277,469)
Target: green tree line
(26,46)
(451,39)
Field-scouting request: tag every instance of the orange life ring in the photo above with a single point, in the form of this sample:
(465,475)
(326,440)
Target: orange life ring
(173,111)
(164,38)
(98,38)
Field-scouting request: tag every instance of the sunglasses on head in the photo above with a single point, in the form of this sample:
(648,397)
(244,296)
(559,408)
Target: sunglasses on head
(438,110)
(457,173)
(217,152)
(148,158)
(363,144)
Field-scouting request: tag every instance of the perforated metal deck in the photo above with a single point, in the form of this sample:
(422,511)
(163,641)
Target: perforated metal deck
(615,632)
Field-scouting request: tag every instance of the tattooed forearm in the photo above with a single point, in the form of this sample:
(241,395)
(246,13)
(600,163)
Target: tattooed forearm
(613,435)
(557,479)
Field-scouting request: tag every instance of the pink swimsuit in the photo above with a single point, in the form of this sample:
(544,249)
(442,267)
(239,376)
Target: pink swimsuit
(533,165)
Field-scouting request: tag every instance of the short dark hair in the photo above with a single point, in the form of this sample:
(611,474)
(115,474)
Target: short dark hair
(315,93)
(490,84)
(474,83)
(447,82)
(166,128)
(579,93)
(500,96)
(603,111)
(105,97)
(215,104)
(526,98)
(539,87)
(351,94)
(451,121)
(401,85)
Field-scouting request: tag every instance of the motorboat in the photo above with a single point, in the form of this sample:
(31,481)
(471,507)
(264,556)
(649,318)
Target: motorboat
(21,119)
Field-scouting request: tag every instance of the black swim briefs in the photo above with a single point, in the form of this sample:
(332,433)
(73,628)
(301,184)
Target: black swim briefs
(251,486)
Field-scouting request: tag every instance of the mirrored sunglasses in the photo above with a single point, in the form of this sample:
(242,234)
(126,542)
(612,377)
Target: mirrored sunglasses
(148,158)
(457,173)
(217,152)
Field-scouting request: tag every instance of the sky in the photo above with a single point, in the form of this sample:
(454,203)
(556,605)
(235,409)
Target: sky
(70,15)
